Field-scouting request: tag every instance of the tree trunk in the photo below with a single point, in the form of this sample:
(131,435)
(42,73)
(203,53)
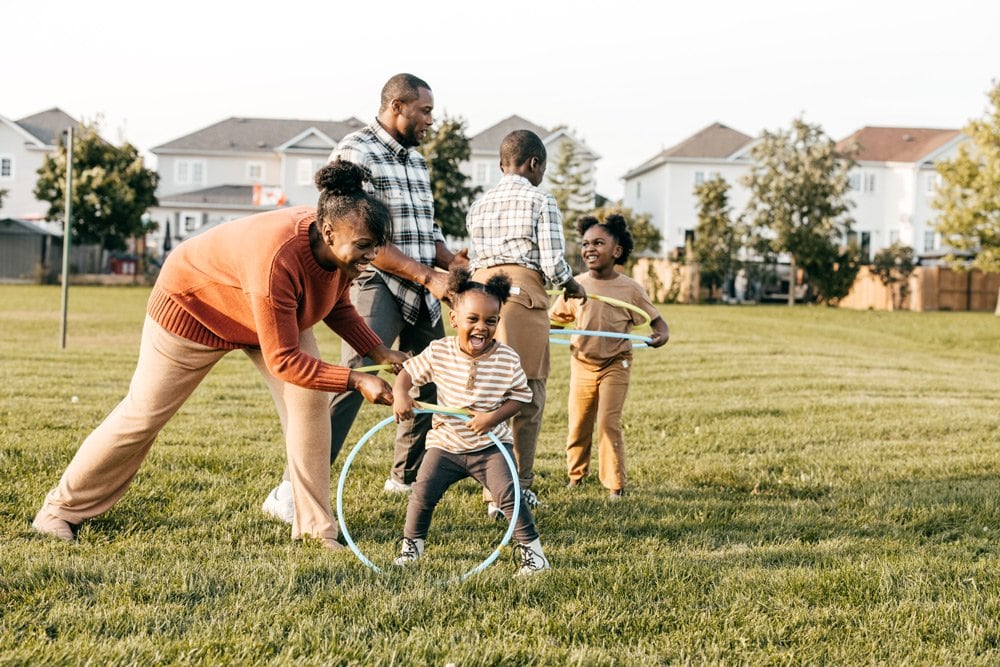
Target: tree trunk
(997,311)
(792,276)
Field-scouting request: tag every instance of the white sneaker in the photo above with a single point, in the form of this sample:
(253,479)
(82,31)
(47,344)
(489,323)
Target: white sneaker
(531,558)
(494,512)
(392,486)
(411,552)
(279,503)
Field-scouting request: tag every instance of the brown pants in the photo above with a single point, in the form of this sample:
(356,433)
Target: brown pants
(597,394)
(168,371)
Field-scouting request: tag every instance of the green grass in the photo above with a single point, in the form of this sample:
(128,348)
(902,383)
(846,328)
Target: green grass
(807,486)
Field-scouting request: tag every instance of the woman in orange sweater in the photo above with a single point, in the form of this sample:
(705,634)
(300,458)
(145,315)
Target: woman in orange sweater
(258,284)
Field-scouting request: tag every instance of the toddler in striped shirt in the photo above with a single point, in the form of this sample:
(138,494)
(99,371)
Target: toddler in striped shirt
(474,371)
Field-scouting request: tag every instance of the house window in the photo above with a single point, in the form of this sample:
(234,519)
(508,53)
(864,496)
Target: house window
(304,172)
(482,172)
(6,167)
(930,240)
(931,184)
(638,189)
(190,221)
(189,172)
(854,181)
(869,183)
(866,247)
(255,172)
(861,181)
(699,177)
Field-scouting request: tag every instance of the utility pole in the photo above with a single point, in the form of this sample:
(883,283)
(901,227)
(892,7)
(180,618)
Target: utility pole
(66,233)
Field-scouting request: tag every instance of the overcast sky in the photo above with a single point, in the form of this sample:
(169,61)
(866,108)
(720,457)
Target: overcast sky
(630,77)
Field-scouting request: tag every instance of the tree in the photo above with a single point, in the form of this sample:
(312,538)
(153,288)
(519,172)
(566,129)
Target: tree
(716,238)
(111,189)
(893,265)
(444,149)
(569,184)
(969,194)
(797,205)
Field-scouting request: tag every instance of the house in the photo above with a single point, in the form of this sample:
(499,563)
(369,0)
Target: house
(483,166)
(663,186)
(30,250)
(24,145)
(894,185)
(237,167)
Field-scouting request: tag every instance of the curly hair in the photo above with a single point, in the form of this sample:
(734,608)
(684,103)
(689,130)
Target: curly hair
(342,194)
(460,281)
(616,226)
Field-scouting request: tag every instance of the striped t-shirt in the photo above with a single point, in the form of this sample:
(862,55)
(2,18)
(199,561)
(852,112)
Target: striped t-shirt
(481,384)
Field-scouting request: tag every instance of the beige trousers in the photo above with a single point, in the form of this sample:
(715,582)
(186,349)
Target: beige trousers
(168,371)
(597,395)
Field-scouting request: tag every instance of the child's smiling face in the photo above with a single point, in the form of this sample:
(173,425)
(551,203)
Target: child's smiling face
(475,318)
(599,249)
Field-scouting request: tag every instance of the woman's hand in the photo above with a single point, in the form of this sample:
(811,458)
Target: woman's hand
(372,387)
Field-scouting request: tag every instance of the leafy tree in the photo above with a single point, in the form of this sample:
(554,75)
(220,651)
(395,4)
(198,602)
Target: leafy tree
(969,195)
(3,194)
(645,235)
(111,189)
(716,238)
(569,184)
(797,205)
(444,149)
(893,266)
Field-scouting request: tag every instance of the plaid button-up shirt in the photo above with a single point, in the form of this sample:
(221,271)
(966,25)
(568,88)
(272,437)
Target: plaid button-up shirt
(398,177)
(516,223)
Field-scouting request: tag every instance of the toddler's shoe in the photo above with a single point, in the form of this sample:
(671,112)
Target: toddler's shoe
(49,524)
(411,552)
(530,558)
(279,503)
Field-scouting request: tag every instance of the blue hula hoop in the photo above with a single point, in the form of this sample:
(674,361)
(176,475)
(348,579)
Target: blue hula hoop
(361,443)
(640,341)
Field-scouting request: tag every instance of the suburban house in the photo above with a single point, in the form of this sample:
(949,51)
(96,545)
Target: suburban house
(237,167)
(663,186)
(24,145)
(483,167)
(892,186)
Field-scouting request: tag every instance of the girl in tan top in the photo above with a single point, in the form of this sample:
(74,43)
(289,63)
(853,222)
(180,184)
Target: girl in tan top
(600,367)
(259,285)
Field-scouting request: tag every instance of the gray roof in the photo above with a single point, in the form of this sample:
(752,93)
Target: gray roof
(46,126)
(256,135)
(223,195)
(33,227)
(490,138)
(717,141)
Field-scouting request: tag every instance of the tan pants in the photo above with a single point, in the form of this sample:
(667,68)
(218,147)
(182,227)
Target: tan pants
(597,395)
(168,371)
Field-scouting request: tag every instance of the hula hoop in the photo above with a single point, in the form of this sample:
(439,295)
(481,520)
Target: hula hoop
(640,341)
(374,367)
(426,408)
(613,302)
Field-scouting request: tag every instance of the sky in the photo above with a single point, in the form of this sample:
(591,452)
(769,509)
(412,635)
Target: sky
(629,77)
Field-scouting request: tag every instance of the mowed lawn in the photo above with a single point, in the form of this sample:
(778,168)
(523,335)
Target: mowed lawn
(807,486)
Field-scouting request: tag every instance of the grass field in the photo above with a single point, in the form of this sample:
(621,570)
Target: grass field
(808,486)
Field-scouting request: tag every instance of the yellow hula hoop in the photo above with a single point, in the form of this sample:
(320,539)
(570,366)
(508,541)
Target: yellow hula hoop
(376,367)
(611,302)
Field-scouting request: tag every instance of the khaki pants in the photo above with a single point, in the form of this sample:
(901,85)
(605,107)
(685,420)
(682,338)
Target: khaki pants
(168,371)
(597,394)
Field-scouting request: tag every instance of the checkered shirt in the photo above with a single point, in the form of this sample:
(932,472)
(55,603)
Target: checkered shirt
(398,177)
(516,223)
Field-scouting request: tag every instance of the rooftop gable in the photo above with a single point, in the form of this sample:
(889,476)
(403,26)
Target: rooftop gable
(47,126)
(715,142)
(256,135)
(896,144)
(489,139)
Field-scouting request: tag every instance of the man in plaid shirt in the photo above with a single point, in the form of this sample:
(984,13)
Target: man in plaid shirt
(516,229)
(399,298)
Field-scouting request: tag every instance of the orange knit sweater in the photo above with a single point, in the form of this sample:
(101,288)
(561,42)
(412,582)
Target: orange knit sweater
(255,283)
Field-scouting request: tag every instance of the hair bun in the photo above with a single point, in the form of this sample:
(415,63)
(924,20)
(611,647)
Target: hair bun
(341,178)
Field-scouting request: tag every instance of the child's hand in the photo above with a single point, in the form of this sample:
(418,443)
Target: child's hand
(661,333)
(402,408)
(481,422)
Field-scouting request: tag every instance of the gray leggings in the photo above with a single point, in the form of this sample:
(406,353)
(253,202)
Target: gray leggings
(440,469)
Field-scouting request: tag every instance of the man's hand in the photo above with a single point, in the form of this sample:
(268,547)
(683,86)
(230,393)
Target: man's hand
(382,355)
(460,258)
(574,290)
(373,388)
(437,285)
